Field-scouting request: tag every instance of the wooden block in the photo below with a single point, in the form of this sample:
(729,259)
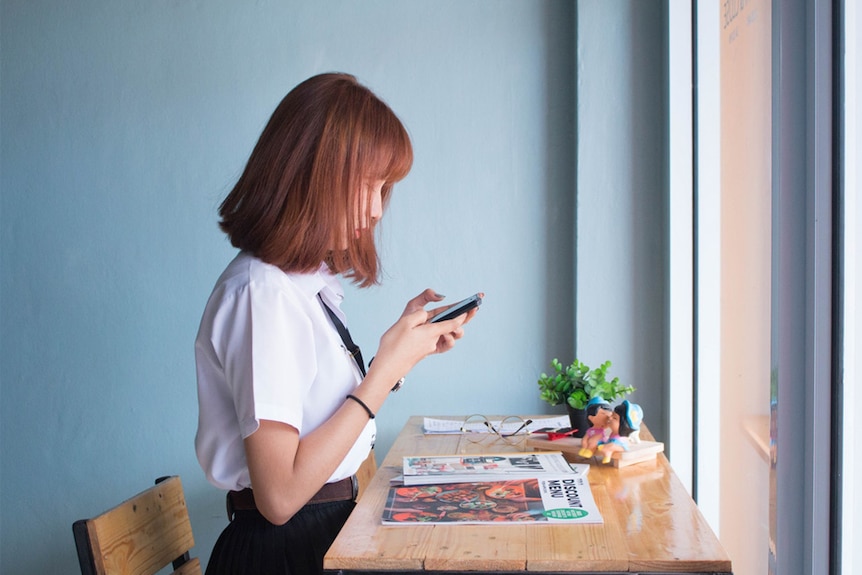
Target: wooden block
(638,452)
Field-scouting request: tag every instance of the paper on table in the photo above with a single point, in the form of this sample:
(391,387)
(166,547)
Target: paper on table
(433,425)
(552,499)
(577,468)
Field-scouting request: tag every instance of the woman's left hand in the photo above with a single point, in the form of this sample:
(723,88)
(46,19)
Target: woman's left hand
(412,337)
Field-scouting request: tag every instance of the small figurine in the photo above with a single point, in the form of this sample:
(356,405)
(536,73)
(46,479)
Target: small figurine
(599,414)
(631,416)
(625,428)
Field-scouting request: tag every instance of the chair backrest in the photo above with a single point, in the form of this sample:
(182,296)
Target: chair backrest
(366,472)
(139,536)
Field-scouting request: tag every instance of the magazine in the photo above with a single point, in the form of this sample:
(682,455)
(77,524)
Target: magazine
(439,469)
(548,499)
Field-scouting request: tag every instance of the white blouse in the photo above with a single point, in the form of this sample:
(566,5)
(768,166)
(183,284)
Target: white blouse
(265,349)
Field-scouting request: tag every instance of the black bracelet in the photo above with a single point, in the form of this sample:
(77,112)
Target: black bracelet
(362,403)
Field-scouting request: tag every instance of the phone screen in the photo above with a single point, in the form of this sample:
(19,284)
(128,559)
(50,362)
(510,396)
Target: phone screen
(462,306)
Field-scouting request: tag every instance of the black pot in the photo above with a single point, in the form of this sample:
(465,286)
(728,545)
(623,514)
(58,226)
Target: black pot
(578,420)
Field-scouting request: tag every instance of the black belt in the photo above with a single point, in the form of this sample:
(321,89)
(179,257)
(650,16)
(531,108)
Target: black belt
(343,490)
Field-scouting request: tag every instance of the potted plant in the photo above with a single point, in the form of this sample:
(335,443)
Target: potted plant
(575,385)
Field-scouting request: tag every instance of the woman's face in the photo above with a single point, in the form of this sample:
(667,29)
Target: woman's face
(369,209)
(370,206)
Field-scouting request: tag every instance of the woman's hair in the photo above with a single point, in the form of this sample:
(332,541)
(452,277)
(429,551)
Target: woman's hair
(296,203)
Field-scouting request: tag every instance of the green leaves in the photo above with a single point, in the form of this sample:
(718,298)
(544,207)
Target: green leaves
(576,384)
(578,399)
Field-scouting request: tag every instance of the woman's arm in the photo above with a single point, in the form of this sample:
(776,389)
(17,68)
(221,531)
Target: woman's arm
(287,471)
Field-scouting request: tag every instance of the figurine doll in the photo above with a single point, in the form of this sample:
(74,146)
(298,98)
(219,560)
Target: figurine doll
(631,416)
(624,428)
(598,413)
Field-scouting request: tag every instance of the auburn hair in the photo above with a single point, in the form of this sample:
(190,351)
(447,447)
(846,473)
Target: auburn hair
(296,202)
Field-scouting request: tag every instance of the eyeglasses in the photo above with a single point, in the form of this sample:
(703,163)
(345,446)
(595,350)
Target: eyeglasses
(512,429)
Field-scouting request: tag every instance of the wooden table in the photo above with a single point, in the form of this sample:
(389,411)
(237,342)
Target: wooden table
(651,525)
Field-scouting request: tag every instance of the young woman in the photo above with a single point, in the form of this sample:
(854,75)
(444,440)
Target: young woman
(286,411)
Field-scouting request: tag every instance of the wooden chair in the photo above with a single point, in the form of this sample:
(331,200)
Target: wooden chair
(366,473)
(139,536)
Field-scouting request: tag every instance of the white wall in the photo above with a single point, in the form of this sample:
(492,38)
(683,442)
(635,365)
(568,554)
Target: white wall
(680,297)
(708,254)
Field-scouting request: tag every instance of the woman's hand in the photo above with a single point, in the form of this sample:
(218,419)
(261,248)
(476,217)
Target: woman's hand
(421,300)
(413,338)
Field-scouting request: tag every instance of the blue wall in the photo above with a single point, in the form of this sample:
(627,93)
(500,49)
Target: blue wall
(123,126)
(622,189)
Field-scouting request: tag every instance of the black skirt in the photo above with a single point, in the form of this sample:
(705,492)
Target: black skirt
(251,545)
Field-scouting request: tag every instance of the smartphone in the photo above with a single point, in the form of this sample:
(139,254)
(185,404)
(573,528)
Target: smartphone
(462,306)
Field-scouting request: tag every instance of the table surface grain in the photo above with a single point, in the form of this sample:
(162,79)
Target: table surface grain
(651,524)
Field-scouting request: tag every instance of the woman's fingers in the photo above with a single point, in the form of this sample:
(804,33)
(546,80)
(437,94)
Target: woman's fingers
(447,341)
(412,337)
(421,300)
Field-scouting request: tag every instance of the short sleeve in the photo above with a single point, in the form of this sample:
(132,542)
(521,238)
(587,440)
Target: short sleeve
(268,354)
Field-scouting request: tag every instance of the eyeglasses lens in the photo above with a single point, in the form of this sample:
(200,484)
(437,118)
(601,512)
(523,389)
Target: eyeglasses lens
(512,429)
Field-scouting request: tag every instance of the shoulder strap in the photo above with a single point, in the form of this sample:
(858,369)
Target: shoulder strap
(345,336)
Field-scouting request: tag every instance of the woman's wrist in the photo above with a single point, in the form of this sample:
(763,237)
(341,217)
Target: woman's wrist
(373,390)
(362,404)
(396,382)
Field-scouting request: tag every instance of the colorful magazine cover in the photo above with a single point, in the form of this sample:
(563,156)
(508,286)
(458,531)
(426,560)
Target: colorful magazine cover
(480,466)
(562,499)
